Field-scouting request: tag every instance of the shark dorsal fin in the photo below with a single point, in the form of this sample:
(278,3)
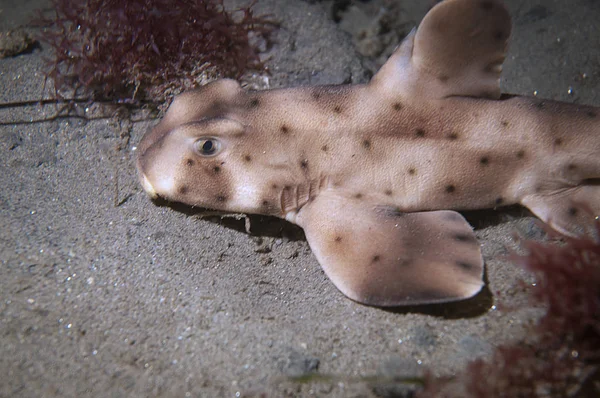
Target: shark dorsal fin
(457,50)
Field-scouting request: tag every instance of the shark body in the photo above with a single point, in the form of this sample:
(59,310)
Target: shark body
(370,171)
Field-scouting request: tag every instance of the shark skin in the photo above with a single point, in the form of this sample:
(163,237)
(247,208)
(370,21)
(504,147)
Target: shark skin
(374,173)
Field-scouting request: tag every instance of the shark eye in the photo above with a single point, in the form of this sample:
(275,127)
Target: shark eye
(207,146)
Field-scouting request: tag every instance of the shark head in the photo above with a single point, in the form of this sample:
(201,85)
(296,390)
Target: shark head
(206,152)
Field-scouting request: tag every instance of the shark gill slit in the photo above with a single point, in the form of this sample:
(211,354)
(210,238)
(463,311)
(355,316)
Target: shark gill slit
(293,197)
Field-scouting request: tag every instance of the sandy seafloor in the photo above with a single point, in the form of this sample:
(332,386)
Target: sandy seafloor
(142,300)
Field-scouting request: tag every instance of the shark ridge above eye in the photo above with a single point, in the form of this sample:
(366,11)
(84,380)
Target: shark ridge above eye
(376,173)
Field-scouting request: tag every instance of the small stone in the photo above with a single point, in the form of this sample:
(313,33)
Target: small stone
(15,42)
(296,364)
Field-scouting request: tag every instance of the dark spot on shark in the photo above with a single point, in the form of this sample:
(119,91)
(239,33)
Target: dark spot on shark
(376,258)
(217,169)
(499,201)
(221,198)
(450,188)
(591,114)
(571,167)
(254,102)
(558,142)
(275,186)
(366,144)
(304,164)
(504,123)
(484,161)
(337,109)
(217,107)
(406,262)
(247,158)
(388,192)
(466,266)
(420,133)
(453,136)
(316,94)
(540,105)
(358,196)
(324,148)
(443,78)
(500,35)
(338,239)
(521,154)
(392,211)
(189,162)
(412,171)
(397,106)
(573,211)
(182,190)
(284,129)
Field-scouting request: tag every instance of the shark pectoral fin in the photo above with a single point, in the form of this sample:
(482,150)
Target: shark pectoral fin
(571,211)
(458,50)
(379,256)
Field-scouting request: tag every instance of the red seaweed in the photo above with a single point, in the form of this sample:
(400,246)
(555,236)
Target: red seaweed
(126,50)
(568,285)
(561,357)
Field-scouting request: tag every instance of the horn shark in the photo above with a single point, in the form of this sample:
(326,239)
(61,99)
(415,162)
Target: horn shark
(374,173)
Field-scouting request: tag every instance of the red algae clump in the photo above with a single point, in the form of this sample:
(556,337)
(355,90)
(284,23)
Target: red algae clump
(562,356)
(123,51)
(568,285)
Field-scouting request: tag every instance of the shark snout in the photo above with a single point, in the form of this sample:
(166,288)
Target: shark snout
(139,165)
(147,185)
(154,182)
(153,166)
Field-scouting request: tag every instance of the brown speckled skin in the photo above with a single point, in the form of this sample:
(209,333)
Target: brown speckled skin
(429,132)
(492,152)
